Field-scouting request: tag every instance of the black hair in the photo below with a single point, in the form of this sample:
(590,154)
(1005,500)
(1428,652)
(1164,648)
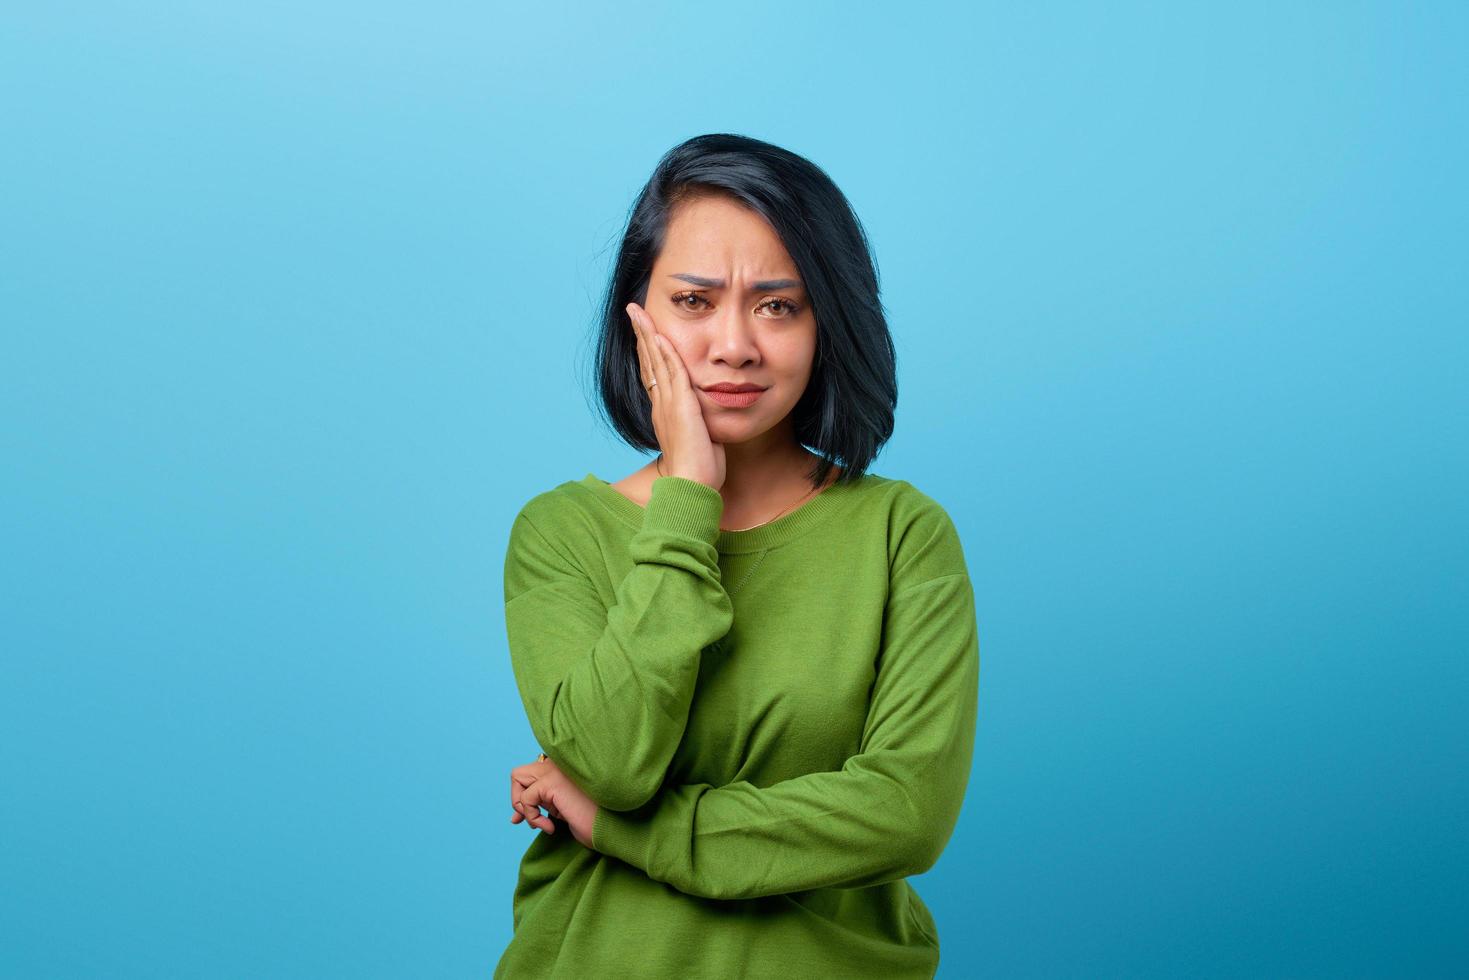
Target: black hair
(845,414)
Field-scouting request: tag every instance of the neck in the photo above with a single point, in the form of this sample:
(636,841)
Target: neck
(770,467)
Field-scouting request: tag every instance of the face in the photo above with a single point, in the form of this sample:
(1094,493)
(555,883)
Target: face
(726,293)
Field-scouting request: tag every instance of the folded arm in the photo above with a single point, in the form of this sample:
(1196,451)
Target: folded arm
(607,690)
(886,814)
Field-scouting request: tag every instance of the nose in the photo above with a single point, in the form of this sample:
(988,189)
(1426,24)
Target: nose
(733,339)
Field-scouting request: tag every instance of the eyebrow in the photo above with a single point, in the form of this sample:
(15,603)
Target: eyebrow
(708,283)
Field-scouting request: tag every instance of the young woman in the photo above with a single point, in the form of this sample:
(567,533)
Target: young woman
(753,671)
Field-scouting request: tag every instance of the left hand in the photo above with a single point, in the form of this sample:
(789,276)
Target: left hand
(543,784)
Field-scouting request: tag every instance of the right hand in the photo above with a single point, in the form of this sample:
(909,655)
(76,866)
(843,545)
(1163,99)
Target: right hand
(678,419)
(542,784)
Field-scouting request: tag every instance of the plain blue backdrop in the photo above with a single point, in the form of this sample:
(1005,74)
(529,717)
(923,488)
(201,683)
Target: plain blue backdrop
(296,304)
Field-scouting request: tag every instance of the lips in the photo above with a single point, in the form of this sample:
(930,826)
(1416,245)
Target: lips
(732,387)
(733,399)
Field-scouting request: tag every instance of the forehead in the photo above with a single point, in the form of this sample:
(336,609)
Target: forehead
(712,234)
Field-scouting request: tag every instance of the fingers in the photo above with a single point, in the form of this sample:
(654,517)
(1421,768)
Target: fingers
(660,357)
(652,351)
(519,780)
(529,792)
(645,365)
(521,777)
(673,364)
(530,800)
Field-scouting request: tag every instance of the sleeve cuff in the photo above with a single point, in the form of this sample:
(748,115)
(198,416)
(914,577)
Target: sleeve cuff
(624,836)
(685,507)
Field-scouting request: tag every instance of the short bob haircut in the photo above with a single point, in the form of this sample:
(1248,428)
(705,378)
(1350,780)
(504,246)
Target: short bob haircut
(845,414)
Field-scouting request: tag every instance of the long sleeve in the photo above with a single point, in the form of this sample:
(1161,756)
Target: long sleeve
(607,690)
(891,808)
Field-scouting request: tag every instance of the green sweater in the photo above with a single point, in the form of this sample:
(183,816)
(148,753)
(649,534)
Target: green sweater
(776,723)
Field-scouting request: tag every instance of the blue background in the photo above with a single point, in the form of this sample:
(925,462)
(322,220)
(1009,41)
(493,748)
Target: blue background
(296,306)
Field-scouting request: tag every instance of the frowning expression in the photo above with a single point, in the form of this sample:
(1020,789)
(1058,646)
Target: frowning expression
(727,294)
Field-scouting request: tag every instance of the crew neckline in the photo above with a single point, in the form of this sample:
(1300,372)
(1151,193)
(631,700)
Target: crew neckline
(776,532)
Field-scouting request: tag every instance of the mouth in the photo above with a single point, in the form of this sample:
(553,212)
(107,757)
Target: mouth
(734,398)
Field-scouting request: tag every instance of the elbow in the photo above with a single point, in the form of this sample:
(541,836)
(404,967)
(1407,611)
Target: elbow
(638,778)
(930,834)
(636,785)
(621,796)
(642,792)
(924,855)
(918,826)
(620,791)
(616,794)
(917,851)
(609,774)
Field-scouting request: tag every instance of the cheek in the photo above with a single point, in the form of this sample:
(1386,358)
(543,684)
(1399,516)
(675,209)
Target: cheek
(685,349)
(796,357)
(673,343)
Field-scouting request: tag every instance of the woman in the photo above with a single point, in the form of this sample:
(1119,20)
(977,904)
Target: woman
(753,671)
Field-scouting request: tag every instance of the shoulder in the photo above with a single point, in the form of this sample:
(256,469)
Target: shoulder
(907,507)
(923,540)
(548,536)
(548,505)
(567,501)
(562,519)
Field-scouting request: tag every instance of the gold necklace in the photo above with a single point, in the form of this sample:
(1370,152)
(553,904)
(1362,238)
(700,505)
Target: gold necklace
(752,526)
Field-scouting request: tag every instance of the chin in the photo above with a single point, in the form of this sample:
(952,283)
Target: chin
(722,428)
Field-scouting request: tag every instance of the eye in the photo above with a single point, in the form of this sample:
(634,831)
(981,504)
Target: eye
(680,298)
(792,308)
